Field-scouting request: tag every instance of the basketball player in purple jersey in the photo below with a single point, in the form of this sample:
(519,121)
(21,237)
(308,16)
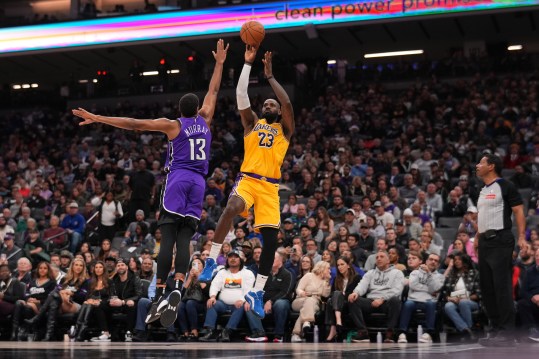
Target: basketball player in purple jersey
(183,190)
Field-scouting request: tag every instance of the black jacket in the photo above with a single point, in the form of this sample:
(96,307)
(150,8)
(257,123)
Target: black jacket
(279,286)
(14,291)
(349,287)
(132,289)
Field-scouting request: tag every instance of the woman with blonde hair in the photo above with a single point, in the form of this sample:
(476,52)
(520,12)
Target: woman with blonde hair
(68,297)
(309,292)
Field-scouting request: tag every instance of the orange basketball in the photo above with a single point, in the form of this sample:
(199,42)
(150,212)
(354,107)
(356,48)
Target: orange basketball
(252,33)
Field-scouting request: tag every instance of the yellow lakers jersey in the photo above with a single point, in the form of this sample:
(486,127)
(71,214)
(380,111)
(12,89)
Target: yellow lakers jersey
(265,148)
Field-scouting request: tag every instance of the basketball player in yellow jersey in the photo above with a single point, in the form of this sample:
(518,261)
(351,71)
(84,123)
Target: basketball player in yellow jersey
(266,141)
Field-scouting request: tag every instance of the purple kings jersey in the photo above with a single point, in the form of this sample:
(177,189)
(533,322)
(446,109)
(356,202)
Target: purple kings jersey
(190,150)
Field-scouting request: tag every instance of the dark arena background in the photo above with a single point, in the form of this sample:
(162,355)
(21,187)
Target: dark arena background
(395,103)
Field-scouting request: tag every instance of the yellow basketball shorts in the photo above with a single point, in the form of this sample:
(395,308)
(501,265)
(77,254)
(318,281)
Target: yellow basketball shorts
(263,195)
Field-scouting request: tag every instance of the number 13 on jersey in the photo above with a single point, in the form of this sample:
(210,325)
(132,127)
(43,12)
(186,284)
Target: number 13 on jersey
(197,149)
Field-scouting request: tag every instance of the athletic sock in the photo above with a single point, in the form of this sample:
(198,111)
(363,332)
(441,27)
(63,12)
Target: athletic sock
(215,250)
(260,282)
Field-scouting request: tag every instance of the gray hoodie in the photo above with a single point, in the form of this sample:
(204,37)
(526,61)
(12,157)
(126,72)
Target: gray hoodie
(424,285)
(381,284)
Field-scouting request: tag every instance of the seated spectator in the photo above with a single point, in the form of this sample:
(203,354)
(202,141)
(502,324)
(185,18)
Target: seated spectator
(213,208)
(453,207)
(426,244)
(343,285)
(309,292)
(381,245)
(74,224)
(231,284)
(139,218)
(11,290)
(306,266)
(300,218)
(415,259)
(436,237)
(95,303)
(379,290)
(146,269)
(325,223)
(54,236)
(221,259)
(425,284)
(312,251)
(276,300)
(528,306)
(313,230)
(193,302)
(291,207)
(43,283)
(394,259)
(241,237)
(35,249)
(134,266)
(10,252)
(464,238)
(293,264)
(386,218)
(104,251)
(462,293)
(360,254)
(141,238)
(336,212)
(255,265)
(4,228)
(469,223)
(327,256)
(65,260)
(247,249)
(23,273)
(126,290)
(66,298)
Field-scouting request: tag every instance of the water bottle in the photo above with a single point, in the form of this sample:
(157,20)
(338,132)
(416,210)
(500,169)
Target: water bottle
(379,338)
(315,334)
(419,332)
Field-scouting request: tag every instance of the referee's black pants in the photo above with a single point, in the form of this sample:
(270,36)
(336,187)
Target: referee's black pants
(495,278)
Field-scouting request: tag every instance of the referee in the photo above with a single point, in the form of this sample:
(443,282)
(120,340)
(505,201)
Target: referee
(495,242)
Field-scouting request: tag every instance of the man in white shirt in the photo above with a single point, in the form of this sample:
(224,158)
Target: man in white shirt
(231,284)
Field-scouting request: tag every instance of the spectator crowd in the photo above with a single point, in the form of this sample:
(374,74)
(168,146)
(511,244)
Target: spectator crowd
(378,199)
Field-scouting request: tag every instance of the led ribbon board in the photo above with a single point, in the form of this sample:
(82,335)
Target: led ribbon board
(222,20)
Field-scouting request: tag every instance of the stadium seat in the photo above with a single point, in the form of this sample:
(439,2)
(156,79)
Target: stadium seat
(449,222)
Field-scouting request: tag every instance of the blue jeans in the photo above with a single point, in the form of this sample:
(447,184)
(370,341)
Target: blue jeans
(143,307)
(408,309)
(76,239)
(461,314)
(279,310)
(220,307)
(188,314)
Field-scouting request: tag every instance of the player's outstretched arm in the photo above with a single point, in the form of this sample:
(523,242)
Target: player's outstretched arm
(287,112)
(170,128)
(248,117)
(208,106)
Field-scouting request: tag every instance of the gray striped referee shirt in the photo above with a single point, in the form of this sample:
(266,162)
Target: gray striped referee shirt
(495,205)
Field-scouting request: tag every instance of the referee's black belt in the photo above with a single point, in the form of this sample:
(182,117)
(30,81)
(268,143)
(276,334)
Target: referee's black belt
(262,178)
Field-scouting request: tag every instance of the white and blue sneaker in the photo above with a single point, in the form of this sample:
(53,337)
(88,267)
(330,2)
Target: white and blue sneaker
(170,313)
(209,267)
(256,301)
